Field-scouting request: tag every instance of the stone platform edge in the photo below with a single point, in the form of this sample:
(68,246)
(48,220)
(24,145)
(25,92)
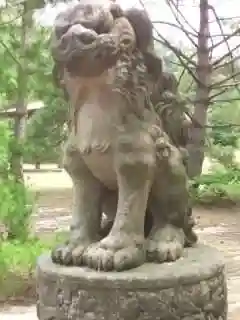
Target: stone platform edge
(192,288)
(198,263)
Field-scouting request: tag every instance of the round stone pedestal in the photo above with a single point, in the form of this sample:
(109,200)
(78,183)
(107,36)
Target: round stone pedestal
(192,288)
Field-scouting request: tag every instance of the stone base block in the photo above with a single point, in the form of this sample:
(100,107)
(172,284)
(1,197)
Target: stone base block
(192,288)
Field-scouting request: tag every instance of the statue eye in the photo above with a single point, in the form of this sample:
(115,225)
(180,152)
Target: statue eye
(60,30)
(88,10)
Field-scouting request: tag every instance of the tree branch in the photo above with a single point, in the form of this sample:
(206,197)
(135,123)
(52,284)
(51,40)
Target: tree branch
(187,34)
(218,94)
(180,13)
(180,55)
(219,83)
(225,64)
(227,44)
(174,26)
(235,33)
(218,61)
(184,70)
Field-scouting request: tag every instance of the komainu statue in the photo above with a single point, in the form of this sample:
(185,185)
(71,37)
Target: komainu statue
(124,150)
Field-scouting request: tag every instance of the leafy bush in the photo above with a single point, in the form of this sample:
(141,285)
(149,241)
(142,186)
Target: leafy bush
(15,204)
(225,119)
(44,146)
(15,208)
(18,264)
(218,187)
(223,155)
(225,137)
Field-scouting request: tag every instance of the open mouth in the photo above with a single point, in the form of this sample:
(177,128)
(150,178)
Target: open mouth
(83,42)
(83,50)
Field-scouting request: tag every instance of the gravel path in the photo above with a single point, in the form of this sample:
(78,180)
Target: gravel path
(19,313)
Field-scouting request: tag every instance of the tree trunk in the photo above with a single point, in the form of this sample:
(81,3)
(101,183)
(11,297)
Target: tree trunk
(197,131)
(21,107)
(37,165)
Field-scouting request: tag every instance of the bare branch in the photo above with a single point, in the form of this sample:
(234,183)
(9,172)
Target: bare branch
(217,35)
(218,94)
(193,101)
(180,13)
(219,60)
(225,64)
(174,26)
(219,83)
(229,85)
(175,50)
(235,33)
(180,55)
(197,124)
(227,44)
(225,125)
(187,34)
(225,19)
(184,70)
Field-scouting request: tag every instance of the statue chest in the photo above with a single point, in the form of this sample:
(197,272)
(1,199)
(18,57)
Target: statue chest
(96,129)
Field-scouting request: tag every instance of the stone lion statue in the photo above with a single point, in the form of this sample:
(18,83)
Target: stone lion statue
(130,186)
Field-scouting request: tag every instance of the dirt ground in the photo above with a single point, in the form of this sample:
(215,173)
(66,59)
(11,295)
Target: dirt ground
(218,227)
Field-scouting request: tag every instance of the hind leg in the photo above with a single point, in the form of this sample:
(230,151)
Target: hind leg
(167,238)
(165,243)
(168,203)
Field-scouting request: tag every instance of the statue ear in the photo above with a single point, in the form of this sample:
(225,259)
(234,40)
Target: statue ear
(116,11)
(153,64)
(142,27)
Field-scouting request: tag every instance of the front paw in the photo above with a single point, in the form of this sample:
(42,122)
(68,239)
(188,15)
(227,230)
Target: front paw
(69,254)
(117,253)
(62,254)
(165,244)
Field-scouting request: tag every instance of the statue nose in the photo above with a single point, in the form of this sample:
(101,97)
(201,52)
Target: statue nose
(85,36)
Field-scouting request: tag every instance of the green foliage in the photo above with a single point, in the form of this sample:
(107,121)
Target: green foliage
(223,155)
(4,144)
(15,204)
(18,264)
(45,132)
(225,119)
(218,187)
(15,208)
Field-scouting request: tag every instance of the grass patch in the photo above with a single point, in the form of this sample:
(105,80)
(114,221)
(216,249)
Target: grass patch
(18,263)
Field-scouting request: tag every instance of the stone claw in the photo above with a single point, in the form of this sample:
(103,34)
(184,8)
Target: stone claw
(69,254)
(62,254)
(165,244)
(114,254)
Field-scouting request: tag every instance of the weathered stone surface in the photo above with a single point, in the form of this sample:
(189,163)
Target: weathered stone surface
(192,288)
(127,137)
